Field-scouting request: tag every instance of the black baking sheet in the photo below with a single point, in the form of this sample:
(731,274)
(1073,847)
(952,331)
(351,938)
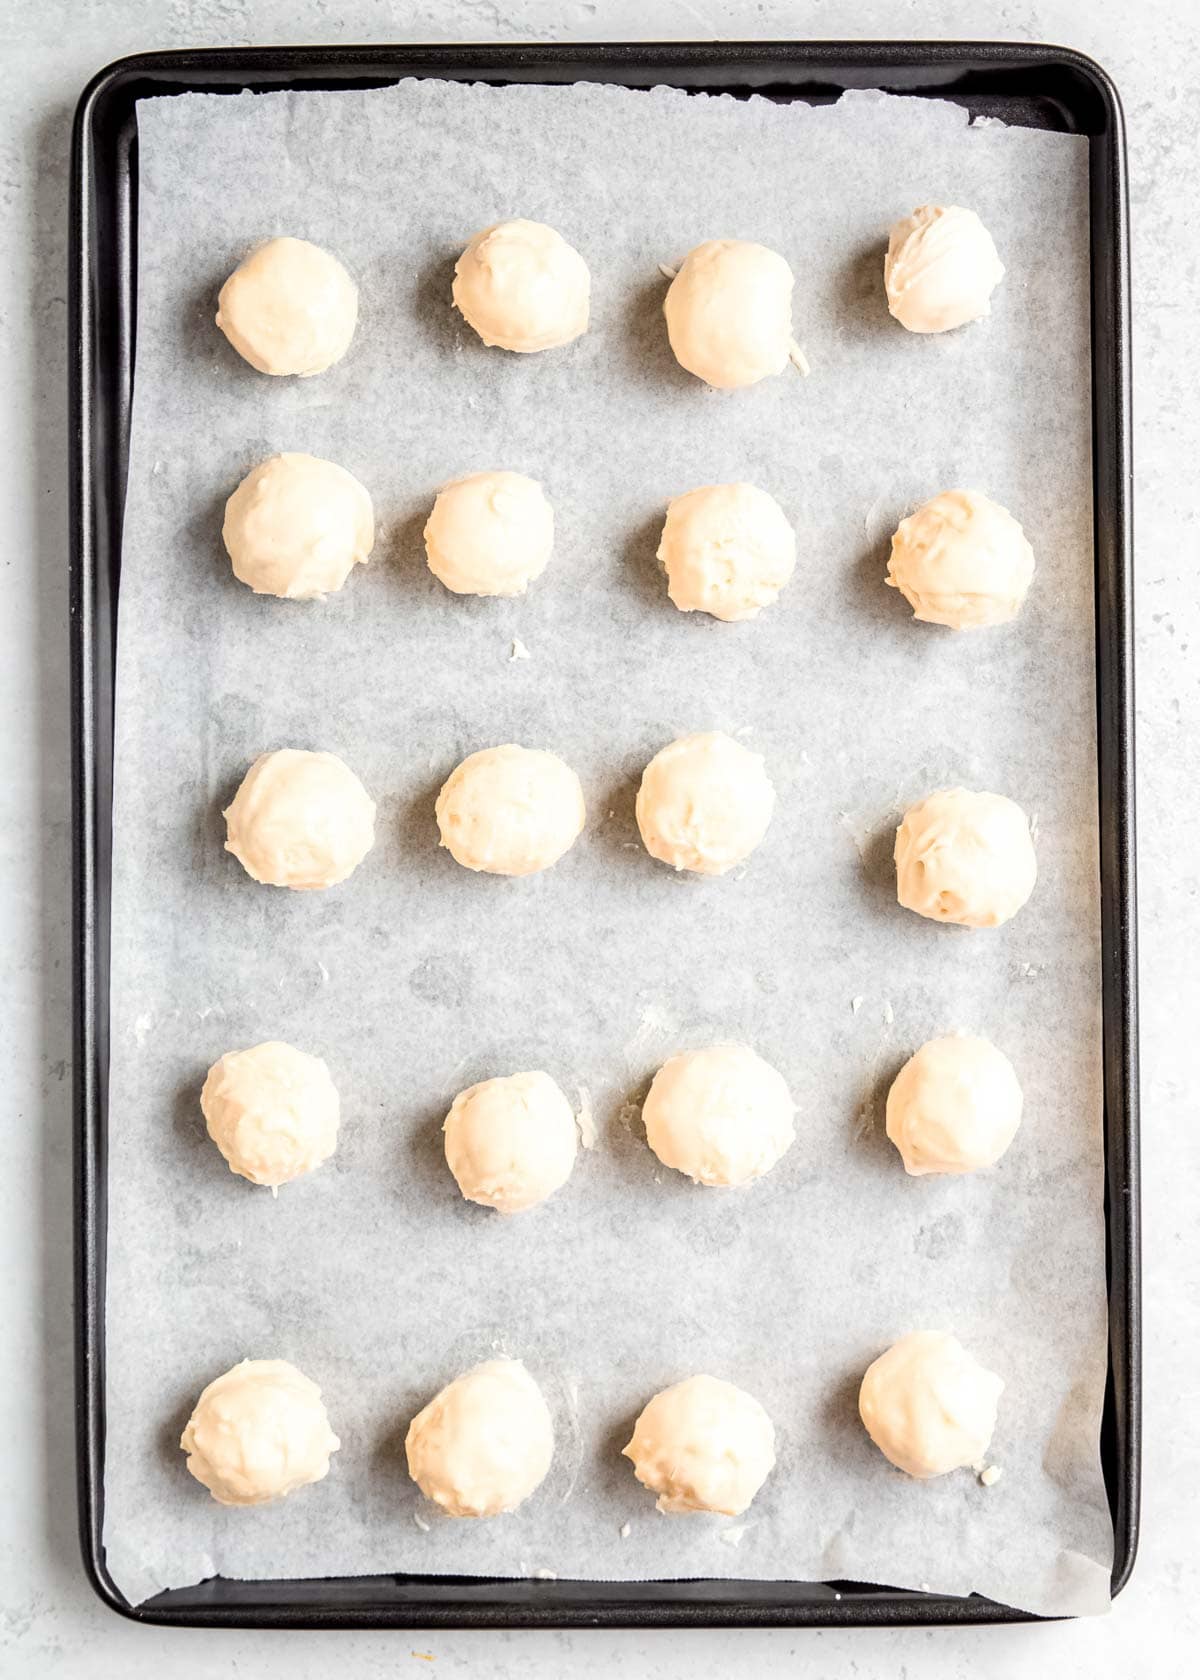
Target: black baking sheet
(1036,87)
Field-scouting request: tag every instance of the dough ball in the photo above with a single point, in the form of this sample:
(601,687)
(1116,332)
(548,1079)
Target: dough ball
(510,810)
(484,1443)
(722,1116)
(258,1433)
(728,550)
(296,526)
(954,1107)
(729,313)
(289,307)
(965,857)
(941,268)
(490,534)
(522,287)
(961,560)
(272,1112)
(928,1405)
(510,1142)
(703,1445)
(301,820)
(704,803)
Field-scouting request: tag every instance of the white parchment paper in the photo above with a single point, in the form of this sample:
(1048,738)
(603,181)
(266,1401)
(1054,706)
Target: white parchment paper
(416,977)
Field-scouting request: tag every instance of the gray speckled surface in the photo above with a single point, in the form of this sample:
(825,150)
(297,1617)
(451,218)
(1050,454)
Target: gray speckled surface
(49,1624)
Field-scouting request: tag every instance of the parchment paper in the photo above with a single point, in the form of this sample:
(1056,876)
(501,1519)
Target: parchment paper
(417,977)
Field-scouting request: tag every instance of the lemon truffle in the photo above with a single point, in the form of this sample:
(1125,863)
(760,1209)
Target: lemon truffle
(522,287)
(941,269)
(965,857)
(289,308)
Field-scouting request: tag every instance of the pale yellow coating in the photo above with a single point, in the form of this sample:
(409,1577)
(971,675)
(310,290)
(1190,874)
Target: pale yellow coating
(704,803)
(729,313)
(510,810)
(965,857)
(490,533)
(301,820)
(727,549)
(703,1445)
(941,269)
(289,308)
(296,527)
(961,560)
(522,287)
(722,1115)
(510,1142)
(928,1405)
(484,1443)
(258,1433)
(272,1111)
(954,1107)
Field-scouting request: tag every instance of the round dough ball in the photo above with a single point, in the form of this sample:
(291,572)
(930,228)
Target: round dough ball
(490,534)
(928,1405)
(510,1142)
(289,307)
(300,820)
(941,269)
(258,1433)
(522,287)
(272,1112)
(484,1443)
(728,550)
(965,857)
(703,1445)
(510,810)
(729,313)
(296,526)
(704,803)
(961,560)
(954,1107)
(722,1116)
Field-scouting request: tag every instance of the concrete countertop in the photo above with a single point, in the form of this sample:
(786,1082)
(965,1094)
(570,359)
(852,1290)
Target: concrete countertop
(50,1624)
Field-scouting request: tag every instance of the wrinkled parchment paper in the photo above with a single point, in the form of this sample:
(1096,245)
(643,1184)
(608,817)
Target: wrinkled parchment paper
(416,977)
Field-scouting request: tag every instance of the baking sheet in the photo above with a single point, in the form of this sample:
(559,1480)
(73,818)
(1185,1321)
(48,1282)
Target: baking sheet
(416,978)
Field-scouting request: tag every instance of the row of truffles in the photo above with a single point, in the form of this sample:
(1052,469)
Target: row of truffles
(296,526)
(291,308)
(721,1116)
(303,820)
(485,1443)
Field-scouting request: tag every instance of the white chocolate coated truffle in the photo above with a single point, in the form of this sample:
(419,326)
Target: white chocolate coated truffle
(490,534)
(729,313)
(703,1445)
(728,550)
(484,1443)
(722,1116)
(522,287)
(272,1111)
(961,560)
(941,269)
(289,307)
(300,820)
(510,810)
(510,1142)
(704,803)
(296,527)
(928,1405)
(954,1107)
(965,857)
(258,1433)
